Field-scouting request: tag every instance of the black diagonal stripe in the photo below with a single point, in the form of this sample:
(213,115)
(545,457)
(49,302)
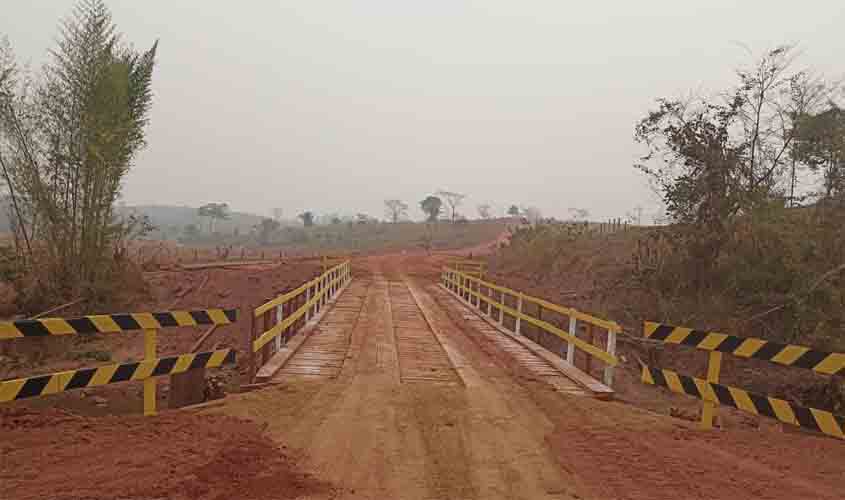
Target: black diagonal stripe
(33,386)
(230,358)
(723,395)
(164,366)
(841,422)
(83,325)
(201,317)
(689,386)
(231,314)
(124,372)
(805,418)
(165,319)
(32,328)
(694,338)
(810,359)
(81,378)
(768,351)
(126,322)
(657,376)
(762,404)
(729,344)
(661,332)
(200,360)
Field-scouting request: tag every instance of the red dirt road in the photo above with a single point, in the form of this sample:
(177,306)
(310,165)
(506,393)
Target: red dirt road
(398,395)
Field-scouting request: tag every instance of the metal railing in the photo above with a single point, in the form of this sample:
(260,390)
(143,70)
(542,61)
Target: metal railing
(475,291)
(275,321)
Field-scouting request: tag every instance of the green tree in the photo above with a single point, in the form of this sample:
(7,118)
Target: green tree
(513,211)
(214,211)
(69,139)
(307,218)
(432,206)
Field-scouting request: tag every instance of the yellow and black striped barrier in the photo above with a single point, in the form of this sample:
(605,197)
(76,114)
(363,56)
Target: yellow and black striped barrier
(42,385)
(784,411)
(113,323)
(827,363)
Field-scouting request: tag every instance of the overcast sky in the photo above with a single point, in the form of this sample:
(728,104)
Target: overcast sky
(335,106)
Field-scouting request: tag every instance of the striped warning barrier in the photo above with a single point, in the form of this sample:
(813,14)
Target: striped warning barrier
(113,323)
(827,363)
(784,411)
(41,385)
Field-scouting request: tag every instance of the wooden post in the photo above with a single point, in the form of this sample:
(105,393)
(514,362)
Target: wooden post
(708,409)
(573,330)
(519,316)
(149,383)
(590,340)
(611,349)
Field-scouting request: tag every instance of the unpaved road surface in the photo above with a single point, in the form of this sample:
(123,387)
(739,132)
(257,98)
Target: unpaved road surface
(401,394)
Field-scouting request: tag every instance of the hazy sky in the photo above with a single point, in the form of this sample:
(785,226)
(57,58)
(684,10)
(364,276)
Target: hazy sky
(338,105)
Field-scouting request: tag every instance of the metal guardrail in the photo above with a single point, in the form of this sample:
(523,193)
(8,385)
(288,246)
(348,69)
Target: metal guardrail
(276,320)
(475,290)
(712,393)
(146,370)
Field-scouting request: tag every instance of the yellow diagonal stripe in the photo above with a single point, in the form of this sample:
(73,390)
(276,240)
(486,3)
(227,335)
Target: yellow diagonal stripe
(833,363)
(8,330)
(57,326)
(104,323)
(146,320)
(646,377)
(183,318)
(10,389)
(743,402)
(182,363)
(673,381)
(706,390)
(218,316)
(102,375)
(678,335)
(789,354)
(217,358)
(649,328)
(712,341)
(145,369)
(827,423)
(748,347)
(783,410)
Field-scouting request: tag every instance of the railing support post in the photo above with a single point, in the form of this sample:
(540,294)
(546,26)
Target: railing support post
(519,316)
(149,383)
(570,348)
(611,349)
(708,410)
(502,308)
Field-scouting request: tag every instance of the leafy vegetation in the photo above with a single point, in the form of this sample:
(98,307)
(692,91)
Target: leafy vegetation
(68,136)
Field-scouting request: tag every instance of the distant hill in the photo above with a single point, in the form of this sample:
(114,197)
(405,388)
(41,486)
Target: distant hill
(170,220)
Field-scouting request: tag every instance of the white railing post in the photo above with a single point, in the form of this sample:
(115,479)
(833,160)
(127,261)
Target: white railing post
(570,348)
(518,327)
(502,308)
(611,349)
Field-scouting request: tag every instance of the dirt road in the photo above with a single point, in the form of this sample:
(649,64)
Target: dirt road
(400,394)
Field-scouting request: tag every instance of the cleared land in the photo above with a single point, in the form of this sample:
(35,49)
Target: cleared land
(487,424)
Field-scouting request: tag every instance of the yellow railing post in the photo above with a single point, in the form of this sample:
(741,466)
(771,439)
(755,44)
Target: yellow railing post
(150,383)
(708,410)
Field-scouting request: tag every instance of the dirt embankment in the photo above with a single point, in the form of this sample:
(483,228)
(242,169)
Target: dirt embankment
(178,456)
